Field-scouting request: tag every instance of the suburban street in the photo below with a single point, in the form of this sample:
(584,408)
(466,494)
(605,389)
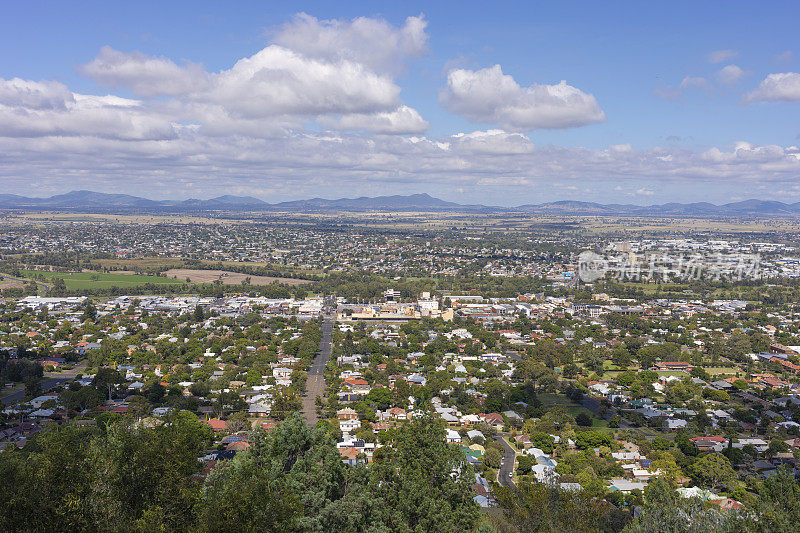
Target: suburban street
(315,381)
(50,380)
(507,466)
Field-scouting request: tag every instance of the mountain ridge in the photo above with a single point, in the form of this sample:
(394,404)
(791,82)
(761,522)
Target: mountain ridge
(84,200)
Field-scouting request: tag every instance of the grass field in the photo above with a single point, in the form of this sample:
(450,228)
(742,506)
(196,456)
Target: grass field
(90,280)
(558,400)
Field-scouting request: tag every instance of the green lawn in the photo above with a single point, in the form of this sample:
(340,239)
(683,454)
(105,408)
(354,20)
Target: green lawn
(716,370)
(6,391)
(557,400)
(92,280)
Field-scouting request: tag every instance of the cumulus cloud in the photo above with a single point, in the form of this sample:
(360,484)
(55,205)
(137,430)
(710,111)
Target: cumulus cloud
(372,42)
(402,120)
(37,109)
(295,114)
(34,94)
(145,76)
(308,163)
(278,81)
(335,72)
(720,56)
(491,97)
(730,75)
(492,142)
(784,86)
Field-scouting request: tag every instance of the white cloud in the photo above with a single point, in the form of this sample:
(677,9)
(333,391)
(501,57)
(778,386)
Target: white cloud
(145,76)
(730,75)
(784,86)
(497,142)
(784,57)
(402,120)
(690,82)
(719,56)
(277,81)
(34,94)
(373,42)
(491,97)
(669,92)
(256,127)
(37,109)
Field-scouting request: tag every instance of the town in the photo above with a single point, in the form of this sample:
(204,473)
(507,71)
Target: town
(599,388)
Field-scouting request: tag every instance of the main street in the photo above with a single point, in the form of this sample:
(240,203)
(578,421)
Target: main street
(315,380)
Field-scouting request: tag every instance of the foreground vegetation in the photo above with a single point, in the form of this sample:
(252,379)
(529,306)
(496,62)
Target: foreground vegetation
(125,476)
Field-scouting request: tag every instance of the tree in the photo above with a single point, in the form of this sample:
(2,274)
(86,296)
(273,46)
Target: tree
(665,510)
(539,507)
(493,458)
(123,478)
(583,420)
(89,311)
(524,464)
(713,470)
(106,379)
(592,439)
(427,483)
(381,397)
(667,468)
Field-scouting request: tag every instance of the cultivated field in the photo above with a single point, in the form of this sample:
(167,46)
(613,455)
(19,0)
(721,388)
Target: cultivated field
(227,278)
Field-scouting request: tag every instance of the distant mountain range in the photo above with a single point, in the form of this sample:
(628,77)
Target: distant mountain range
(89,201)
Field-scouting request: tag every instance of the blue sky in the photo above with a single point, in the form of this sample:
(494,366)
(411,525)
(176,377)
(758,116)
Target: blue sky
(680,101)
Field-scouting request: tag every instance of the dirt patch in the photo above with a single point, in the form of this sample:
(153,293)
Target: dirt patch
(227,278)
(6,283)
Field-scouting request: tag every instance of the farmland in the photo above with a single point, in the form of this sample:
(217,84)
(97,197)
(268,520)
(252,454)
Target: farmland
(227,278)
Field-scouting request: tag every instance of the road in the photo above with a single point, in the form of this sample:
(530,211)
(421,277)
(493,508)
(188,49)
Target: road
(507,466)
(43,286)
(49,381)
(315,380)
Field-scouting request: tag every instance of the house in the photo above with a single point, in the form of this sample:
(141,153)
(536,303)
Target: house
(453,437)
(347,413)
(673,366)
(626,456)
(625,486)
(281,372)
(356,385)
(349,456)
(674,423)
(349,425)
(474,434)
(545,473)
(727,504)
(708,444)
(397,413)
(759,444)
(217,424)
(512,415)
(493,419)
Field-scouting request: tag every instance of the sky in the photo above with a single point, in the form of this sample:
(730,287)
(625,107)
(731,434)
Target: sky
(499,103)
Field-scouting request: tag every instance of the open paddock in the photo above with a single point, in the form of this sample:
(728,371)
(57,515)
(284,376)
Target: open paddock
(227,278)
